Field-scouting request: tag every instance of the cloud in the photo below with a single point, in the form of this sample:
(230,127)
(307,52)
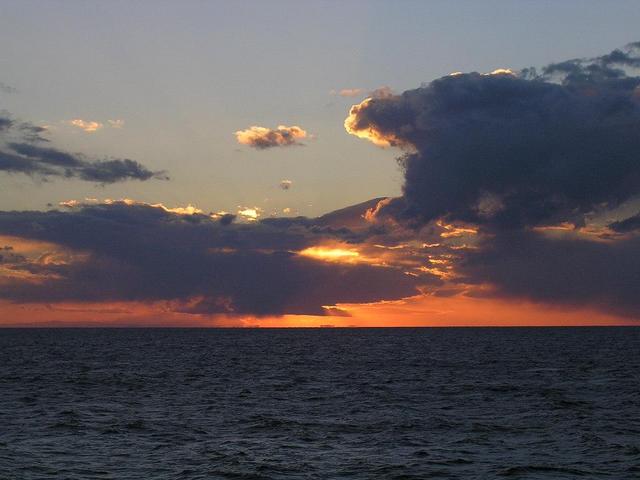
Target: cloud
(379,92)
(188,210)
(21,151)
(249,213)
(226,218)
(584,71)
(124,251)
(348,92)
(92,126)
(629,224)
(88,126)
(382,92)
(262,138)
(518,168)
(358,124)
(508,151)
(568,270)
(286,184)
(22,131)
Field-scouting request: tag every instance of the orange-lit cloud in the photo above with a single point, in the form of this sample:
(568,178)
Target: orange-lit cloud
(501,71)
(329,254)
(455,231)
(88,126)
(348,92)
(187,210)
(92,126)
(262,137)
(353,126)
(250,214)
(372,214)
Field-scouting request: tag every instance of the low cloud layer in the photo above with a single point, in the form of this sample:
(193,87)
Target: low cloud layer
(570,270)
(129,251)
(25,149)
(262,138)
(516,157)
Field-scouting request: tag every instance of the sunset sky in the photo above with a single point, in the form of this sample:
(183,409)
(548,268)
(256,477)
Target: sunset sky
(333,163)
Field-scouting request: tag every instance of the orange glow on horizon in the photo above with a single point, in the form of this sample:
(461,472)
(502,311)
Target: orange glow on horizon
(419,311)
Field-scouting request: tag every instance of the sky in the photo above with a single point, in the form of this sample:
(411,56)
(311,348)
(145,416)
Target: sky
(178,163)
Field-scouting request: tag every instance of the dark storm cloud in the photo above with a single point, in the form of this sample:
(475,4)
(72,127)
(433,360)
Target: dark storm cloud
(509,153)
(21,152)
(227,219)
(627,225)
(569,271)
(144,253)
(504,151)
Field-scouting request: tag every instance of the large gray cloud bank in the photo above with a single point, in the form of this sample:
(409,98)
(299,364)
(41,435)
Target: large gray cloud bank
(514,153)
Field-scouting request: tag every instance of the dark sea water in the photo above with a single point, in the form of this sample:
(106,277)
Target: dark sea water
(547,403)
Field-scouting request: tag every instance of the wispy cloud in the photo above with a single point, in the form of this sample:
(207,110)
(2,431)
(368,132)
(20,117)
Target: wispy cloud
(348,92)
(379,92)
(25,149)
(92,126)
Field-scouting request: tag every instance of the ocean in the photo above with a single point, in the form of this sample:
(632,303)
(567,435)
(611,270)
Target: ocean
(458,403)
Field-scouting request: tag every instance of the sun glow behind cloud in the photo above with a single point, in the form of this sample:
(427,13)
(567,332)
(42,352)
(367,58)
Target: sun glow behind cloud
(329,254)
